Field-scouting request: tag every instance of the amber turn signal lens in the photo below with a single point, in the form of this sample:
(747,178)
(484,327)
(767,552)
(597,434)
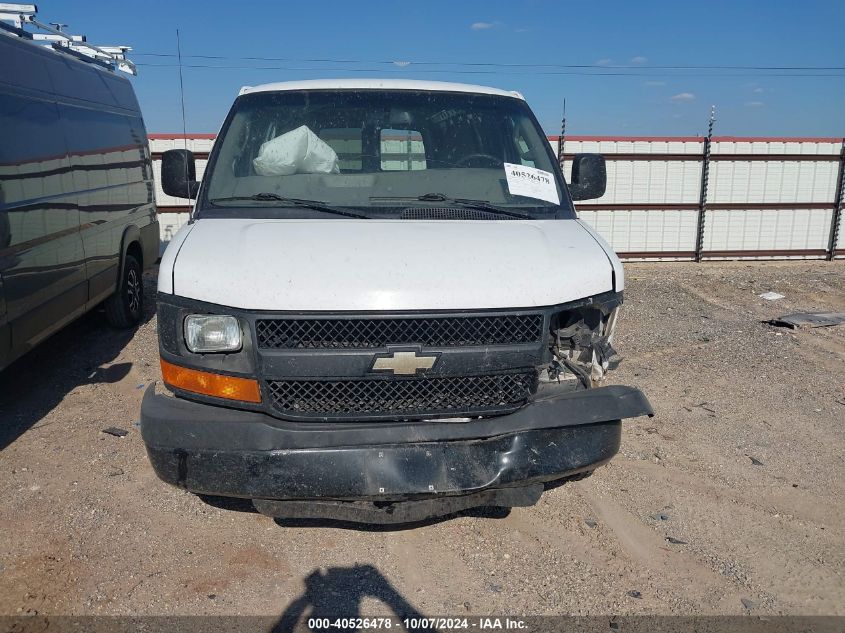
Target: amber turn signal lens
(208,384)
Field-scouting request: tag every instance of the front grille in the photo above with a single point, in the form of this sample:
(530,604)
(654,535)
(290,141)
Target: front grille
(361,333)
(466,395)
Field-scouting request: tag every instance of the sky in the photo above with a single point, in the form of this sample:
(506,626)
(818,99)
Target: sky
(532,46)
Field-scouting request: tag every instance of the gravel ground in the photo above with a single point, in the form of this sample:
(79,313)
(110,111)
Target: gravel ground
(728,501)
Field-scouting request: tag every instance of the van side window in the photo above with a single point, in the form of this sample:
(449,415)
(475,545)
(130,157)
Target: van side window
(401,150)
(33,158)
(105,149)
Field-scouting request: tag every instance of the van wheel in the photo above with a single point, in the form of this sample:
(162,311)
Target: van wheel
(126,306)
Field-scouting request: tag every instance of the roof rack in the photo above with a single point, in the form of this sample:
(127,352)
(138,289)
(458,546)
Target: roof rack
(14,16)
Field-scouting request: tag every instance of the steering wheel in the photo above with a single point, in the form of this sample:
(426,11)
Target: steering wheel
(494,161)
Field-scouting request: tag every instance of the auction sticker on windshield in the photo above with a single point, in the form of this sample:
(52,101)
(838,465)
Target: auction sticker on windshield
(531,182)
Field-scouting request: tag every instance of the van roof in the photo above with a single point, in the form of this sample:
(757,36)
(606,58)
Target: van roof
(378,84)
(63,77)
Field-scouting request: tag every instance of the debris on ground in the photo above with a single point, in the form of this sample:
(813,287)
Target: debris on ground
(748,604)
(809,319)
(114,471)
(590,523)
(113,430)
(675,541)
(634,594)
(660,516)
(754,461)
(771,296)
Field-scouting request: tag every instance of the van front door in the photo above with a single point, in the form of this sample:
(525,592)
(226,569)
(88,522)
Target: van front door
(107,153)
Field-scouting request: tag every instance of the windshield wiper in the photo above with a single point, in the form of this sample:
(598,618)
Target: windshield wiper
(482,205)
(296,202)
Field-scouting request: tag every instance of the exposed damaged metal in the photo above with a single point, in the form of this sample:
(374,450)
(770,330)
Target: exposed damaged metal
(582,344)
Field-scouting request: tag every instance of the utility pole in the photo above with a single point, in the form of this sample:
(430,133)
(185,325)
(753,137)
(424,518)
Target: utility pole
(837,206)
(561,142)
(705,177)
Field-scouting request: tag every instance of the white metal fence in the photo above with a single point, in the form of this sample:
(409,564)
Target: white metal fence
(768,198)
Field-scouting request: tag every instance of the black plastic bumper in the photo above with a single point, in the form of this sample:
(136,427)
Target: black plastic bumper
(221,451)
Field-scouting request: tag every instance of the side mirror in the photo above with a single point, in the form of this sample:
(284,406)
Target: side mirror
(589,177)
(179,173)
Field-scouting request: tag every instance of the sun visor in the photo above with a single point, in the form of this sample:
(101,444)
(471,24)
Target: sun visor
(299,151)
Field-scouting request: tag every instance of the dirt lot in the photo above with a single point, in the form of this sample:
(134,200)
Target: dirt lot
(742,467)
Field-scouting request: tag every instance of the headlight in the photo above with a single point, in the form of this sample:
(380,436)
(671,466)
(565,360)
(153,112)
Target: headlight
(212,333)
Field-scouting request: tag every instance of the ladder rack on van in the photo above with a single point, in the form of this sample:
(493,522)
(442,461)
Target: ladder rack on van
(14,16)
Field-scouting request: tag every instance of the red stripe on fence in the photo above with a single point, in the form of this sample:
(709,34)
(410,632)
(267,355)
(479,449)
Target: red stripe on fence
(639,207)
(774,157)
(656,254)
(753,206)
(197,155)
(648,139)
(816,252)
(777,139)
(643,156)
(182,208)
(575,137)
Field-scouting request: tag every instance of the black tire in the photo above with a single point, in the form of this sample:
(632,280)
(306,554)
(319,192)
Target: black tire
(126,306)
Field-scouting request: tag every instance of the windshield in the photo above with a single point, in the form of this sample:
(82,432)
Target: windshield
(382,152)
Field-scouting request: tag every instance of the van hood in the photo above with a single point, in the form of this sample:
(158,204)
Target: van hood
(363,265)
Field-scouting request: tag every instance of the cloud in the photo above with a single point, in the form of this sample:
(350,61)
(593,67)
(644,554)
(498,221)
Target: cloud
(481,26)
(654,83)
(521,30)
(683,96)
(639,59)
(402,64)
(758,91)
(754,104)
(604,62)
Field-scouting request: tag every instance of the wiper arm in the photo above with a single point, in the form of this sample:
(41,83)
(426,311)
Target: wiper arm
(298,202)
(482,205)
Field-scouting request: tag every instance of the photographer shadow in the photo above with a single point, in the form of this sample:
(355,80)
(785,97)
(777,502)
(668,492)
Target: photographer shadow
(338,593)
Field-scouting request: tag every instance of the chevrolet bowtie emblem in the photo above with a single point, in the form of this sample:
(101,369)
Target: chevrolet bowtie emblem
(404,363)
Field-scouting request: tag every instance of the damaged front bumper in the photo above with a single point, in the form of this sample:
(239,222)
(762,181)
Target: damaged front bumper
(220,451)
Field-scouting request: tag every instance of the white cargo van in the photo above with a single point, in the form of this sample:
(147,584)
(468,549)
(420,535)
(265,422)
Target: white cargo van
(384,308)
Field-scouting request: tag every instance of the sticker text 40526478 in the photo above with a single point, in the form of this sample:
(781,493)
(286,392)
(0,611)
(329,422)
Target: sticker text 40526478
(531,182)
